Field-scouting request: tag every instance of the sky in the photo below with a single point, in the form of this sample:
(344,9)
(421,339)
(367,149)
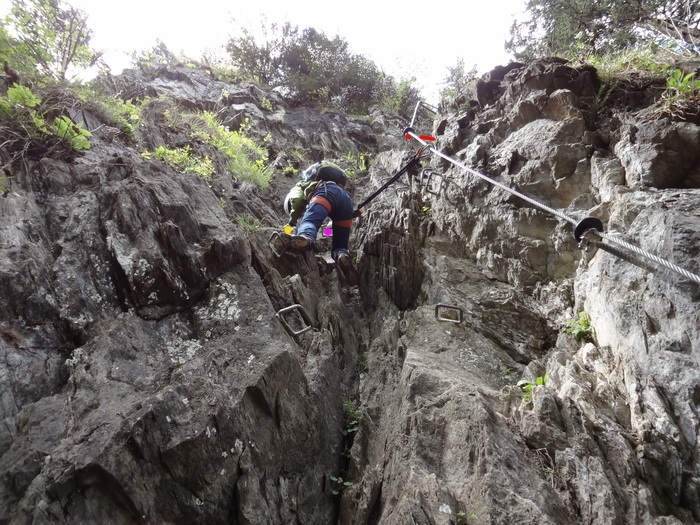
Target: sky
(405,39)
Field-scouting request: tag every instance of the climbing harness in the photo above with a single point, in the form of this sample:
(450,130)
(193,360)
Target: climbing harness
(415,161)
(588,227)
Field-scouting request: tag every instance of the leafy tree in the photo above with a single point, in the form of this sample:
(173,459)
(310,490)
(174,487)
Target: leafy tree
(309,67)
(49,38)
(567,27)
(323,70)
(359,84)
(312,68)
(32,128)
(401,97)
(6,44)
(261,60)
(458,80)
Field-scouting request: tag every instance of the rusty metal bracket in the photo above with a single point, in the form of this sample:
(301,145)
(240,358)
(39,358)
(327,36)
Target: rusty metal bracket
(306,321)
(449,314)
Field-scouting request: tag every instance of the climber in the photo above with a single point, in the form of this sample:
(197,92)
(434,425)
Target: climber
(319,194)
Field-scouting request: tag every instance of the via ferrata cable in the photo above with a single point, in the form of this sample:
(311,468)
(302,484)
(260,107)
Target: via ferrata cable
(587,226)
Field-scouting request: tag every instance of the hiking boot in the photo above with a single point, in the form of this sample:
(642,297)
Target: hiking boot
(344,262)
(301,243)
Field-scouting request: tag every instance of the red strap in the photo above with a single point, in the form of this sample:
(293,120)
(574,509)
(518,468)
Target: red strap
(323,202)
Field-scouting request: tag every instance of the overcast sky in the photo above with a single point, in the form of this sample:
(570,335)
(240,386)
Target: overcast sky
(401,38)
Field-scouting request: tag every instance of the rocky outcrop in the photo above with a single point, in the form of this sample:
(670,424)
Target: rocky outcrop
(450,437)
(154,372)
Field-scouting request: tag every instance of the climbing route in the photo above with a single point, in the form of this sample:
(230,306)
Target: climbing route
(589,227)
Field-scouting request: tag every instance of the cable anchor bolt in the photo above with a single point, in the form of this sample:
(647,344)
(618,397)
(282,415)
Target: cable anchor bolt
(589,223)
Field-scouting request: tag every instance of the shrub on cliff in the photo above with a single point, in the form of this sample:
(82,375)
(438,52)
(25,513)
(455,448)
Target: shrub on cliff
(32,128)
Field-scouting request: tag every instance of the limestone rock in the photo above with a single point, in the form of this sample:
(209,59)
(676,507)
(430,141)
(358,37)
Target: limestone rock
(147,375)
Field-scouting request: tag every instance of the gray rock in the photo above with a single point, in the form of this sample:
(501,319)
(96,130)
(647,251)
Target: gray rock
(147,375)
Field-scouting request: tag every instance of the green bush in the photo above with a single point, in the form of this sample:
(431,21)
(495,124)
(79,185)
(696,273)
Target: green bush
(682,93)
(182,159)
(646,61)
(126,115)
(29,127)
(528,386)
(580,327)
(249,223)
(246,159)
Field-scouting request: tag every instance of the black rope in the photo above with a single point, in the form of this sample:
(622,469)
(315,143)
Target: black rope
(413,162)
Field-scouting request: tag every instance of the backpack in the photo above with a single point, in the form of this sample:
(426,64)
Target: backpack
(325,171)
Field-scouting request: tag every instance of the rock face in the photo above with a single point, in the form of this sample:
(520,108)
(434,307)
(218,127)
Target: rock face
(154,372)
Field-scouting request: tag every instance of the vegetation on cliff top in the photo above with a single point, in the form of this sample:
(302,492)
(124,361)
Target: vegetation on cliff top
(45,46)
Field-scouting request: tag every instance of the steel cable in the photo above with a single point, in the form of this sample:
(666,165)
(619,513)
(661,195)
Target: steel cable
(611,238)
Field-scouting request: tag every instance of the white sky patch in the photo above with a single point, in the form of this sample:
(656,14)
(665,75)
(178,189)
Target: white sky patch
(404,39)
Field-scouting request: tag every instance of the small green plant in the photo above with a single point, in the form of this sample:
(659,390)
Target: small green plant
(355,162)
(223,203)
(126,115)
(611,67)
(65,129)
(38,124)
(266,104)
(289,171)
(363,364)
(246,159)
(249,223)
(362,161)
(528,386)
(3,189)
(681,97)
(580,328)
(352,414)
(182,159)
(682,84)
(298,155)
(349,158)
(427,210)
(339,484)
(464,518)
(550,470)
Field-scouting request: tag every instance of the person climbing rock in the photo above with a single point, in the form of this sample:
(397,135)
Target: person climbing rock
(319,194)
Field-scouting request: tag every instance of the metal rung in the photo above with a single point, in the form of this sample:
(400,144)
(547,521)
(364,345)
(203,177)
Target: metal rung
(400,190)
(304,317)
(277,240)
(449,314)
(427,179)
